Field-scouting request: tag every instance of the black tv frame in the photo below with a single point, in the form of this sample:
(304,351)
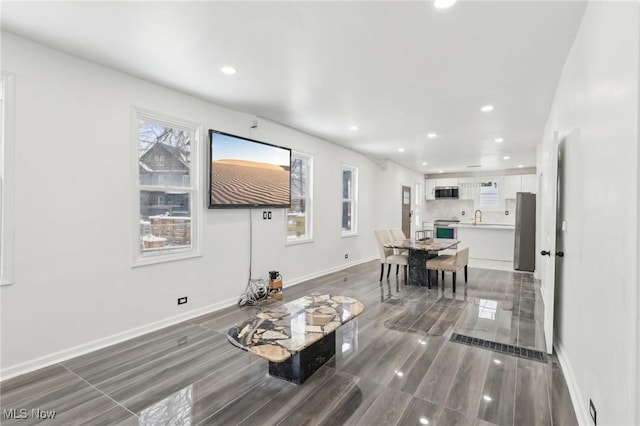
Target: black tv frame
(241,206)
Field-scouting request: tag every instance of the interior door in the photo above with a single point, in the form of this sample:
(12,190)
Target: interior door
(549,184)
(552,253)
(560,220)
(406,211)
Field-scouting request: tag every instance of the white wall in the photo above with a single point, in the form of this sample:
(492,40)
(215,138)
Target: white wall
(388,193)
(597,300)
(74,289)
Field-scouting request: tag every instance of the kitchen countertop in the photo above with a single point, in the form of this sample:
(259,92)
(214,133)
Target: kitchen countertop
(482,226)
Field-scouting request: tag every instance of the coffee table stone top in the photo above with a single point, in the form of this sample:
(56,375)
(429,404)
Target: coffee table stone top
(277,333)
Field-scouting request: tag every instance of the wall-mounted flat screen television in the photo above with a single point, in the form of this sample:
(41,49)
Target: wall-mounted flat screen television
(247,173)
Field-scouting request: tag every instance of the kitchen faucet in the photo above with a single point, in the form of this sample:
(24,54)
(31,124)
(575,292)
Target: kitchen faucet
(475,216)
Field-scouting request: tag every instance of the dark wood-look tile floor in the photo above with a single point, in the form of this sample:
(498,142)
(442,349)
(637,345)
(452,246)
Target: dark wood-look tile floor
(394,365)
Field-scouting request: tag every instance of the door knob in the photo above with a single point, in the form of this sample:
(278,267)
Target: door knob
(545,253)
(560,253)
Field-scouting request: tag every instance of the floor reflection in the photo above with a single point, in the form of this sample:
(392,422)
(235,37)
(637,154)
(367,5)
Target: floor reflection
(175,409)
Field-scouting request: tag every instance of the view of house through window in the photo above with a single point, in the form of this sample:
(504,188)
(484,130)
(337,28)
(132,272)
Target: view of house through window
(299,214)
(349,199)
(166,186)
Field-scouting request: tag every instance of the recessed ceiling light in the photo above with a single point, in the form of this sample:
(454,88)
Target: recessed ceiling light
(497,361)
(499,140)
(354,127)
(400,149)
(424,163)
(487,398)
(487,108)
(520,166)
(228,70)
(424,421)
(506,157)
(440,171)
(443,4)
(432,135)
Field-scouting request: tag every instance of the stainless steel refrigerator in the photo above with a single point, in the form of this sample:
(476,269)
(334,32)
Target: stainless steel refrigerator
(524,253)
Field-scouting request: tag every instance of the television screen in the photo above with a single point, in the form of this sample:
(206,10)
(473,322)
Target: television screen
(247,173)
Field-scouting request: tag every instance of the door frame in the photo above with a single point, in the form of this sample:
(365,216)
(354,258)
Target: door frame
(405,211)
(548,205)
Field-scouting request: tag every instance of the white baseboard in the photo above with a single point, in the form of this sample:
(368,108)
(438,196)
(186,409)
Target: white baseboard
(66,354)
(308,277)
(577,398)
(499,265)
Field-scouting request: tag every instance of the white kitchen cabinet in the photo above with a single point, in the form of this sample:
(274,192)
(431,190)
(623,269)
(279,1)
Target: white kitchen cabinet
(529,183)
(429,189)
(467,188)
(447,182)
(512,185)
(490,246)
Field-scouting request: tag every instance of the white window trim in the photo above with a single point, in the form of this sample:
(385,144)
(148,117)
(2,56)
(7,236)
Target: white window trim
(354,201)
(6,178)
(417,214)
(197,199)
(308,237)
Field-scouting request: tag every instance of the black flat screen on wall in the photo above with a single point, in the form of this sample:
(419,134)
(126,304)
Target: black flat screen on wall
(247,173)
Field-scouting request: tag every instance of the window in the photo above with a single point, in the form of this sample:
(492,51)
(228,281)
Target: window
(299,214)
(6,178)
(167,189)
(489,195)
(349,200)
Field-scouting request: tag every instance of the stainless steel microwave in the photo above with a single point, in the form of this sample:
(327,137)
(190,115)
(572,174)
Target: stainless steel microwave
(442,192)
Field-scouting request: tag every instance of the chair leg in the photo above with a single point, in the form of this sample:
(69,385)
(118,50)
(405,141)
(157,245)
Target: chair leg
(388,270)
(465,273)
(443,276)
(397,269)
(454,282)
(405,275)
(428,278)
(381,270)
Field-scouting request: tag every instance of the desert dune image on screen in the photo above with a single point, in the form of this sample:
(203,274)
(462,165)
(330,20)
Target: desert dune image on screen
(248,173)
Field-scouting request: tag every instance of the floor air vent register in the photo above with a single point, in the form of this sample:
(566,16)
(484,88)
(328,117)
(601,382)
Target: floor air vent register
(518,351)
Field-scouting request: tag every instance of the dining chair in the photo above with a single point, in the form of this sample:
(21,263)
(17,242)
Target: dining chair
(398,235)
(388,256)
(449,263)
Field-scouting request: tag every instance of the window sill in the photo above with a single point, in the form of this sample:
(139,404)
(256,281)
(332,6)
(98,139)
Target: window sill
(350,234)
(153,260)
(298,241)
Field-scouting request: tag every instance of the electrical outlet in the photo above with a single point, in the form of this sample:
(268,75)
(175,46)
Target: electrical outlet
(463,212)
(269,215)
(506,212)
(264,215)
(346,255)
(182,300)
(592,411)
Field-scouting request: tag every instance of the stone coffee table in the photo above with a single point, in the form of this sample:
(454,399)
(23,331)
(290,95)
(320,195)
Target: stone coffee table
(297,337)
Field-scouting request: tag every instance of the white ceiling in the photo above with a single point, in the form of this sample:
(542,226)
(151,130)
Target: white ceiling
(398,70)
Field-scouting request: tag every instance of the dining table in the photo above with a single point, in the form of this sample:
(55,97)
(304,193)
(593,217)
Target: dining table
(419,252)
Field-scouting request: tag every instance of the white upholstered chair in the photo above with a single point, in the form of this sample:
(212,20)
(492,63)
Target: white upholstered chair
(450,263)
(398,235)
(387,255)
